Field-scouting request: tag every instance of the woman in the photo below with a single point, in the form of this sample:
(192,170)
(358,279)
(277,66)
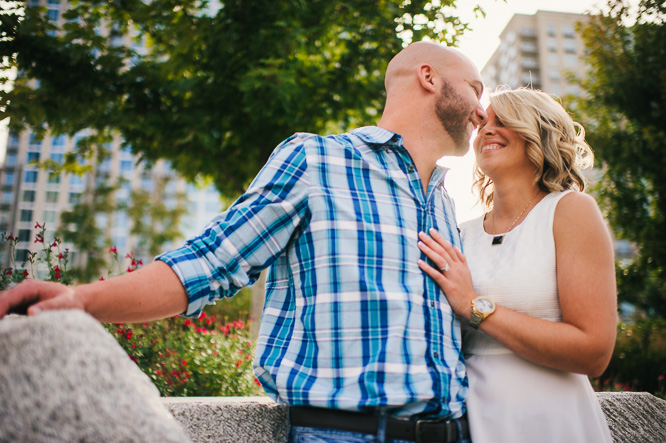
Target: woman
(536,287)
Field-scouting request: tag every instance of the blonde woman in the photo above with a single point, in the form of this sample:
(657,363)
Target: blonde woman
(536,287)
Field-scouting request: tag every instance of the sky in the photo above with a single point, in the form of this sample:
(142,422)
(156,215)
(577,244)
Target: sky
(479,44)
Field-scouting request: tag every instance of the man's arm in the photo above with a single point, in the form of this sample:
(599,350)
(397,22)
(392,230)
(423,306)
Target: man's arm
(150,293)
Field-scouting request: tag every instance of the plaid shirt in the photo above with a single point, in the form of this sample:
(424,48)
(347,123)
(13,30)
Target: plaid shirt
(350,321)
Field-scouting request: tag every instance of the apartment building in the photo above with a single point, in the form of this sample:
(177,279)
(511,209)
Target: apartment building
(540,51)
(29,195)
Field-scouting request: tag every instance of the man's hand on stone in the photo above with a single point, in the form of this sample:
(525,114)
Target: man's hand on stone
(31,297)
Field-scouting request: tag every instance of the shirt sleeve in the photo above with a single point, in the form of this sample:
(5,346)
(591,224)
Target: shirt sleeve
(238,244)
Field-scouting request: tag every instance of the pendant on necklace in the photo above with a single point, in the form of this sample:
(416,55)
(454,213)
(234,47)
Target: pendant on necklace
(497,240)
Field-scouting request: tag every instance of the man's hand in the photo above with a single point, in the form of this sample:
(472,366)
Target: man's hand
(32,297)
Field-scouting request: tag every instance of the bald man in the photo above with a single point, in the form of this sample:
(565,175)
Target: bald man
(354,337)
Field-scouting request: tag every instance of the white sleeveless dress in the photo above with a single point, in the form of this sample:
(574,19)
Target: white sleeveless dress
(511,399)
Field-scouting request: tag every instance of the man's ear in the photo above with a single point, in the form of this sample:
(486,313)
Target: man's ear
(426,75)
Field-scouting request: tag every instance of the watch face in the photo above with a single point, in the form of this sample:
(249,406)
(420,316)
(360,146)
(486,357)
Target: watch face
(484,306)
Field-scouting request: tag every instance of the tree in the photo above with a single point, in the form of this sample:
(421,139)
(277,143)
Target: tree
(211,91)
(624,115)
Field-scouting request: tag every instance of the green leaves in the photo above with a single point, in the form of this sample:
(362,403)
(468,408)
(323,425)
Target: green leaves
(213,91)
(624,118)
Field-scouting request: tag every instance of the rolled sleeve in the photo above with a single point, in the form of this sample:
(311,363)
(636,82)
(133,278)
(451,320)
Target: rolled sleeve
(237,245)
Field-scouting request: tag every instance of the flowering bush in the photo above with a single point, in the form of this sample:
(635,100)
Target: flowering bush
(55,259)
(186,357)
(209,356)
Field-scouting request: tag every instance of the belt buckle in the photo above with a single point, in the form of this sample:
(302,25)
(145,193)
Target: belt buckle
(419,424)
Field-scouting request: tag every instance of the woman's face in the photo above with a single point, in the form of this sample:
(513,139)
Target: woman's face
(500,149)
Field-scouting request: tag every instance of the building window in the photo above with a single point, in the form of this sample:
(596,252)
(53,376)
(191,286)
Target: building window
(6,196)
(58,158)
(29,196)
(74,197)
(126,165)
(569,46)
(49,216)
(32,157)
(554,74)
(26,215)
(550,29)
(551,43)
(10,177)
(570,60)
(21,255)
(11,160)
(54,179)
(75,180)
(51,197)
(529,62)
(527,32)
(553,59)
(13,140)
(24,235)
(568,31)
(34,141)
(31,176)
(58,140)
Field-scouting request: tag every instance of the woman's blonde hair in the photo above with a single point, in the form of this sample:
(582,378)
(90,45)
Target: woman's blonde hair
(555,144)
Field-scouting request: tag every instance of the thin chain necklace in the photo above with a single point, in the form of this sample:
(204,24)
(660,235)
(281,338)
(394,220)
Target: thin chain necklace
(498,239)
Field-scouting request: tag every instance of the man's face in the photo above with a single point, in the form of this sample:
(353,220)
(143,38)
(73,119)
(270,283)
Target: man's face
(454,113)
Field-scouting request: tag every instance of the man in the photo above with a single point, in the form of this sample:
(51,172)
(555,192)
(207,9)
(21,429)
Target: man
(354,337)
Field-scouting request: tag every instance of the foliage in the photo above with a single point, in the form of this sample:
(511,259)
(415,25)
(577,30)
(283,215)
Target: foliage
(210,356)
(184,357)
(624,116)
(639,359)
(212,91)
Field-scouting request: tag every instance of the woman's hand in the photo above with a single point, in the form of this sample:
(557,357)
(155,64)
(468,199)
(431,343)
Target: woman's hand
(452,275)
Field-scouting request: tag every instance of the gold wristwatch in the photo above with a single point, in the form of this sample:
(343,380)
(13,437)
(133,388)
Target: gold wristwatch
(482,307)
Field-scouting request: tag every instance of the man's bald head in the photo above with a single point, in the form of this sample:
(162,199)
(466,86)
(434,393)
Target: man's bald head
(405,64)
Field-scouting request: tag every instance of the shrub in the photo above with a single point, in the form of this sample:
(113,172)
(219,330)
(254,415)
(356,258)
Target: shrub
(209,356)
(639,359)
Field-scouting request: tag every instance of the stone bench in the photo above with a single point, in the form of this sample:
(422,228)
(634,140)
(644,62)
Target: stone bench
(63,378)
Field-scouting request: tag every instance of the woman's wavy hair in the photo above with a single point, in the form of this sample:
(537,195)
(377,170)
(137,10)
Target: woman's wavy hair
(555,143)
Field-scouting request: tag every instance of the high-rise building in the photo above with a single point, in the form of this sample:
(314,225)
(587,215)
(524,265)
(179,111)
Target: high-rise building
(540,51)
(30,195)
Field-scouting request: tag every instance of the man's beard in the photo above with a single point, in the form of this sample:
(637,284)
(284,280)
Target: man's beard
(454,115)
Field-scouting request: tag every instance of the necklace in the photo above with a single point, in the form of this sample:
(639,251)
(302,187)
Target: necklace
(498,239)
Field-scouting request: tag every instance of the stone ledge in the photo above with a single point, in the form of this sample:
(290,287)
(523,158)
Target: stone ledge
(632,417)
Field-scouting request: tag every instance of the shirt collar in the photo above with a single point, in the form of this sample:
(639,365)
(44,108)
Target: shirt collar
(375,135)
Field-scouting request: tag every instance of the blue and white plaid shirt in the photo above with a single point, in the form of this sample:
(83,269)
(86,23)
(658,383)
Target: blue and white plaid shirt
(350,321)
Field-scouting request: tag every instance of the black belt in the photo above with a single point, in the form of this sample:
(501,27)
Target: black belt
(420,431)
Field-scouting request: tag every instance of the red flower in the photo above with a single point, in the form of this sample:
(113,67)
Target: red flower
(39,238)
(256,380)
(140,262)
(37,225)
(101,279)
(238,363)
(184,363)
(10,236)
(55,244)
(187,322)
(660,378)
(133,262)
(113,250)
(130,270)
(61,257)
(128,255)
(9,271)
(129,335)
(202,316)
(25,273)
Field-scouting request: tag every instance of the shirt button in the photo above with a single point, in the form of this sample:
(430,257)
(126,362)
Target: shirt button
(436,354)
(432,304)
(411,168)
